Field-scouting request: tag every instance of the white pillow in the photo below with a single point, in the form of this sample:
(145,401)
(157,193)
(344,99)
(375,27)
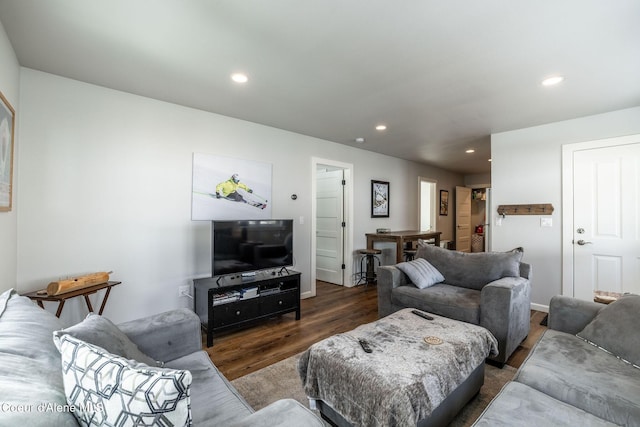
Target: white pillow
(421,272)
(105,389)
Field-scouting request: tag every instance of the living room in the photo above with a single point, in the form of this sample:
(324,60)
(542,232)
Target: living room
(102,181)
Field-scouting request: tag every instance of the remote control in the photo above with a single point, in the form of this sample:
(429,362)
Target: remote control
(421,314)
(365,346)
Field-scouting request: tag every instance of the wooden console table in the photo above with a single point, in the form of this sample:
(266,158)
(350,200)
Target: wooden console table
(62,298)
(402,237)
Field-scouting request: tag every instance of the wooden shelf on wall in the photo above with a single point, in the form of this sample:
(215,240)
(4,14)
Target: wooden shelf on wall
(532,209)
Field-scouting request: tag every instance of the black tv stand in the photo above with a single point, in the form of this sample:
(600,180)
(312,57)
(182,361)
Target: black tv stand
(237,302)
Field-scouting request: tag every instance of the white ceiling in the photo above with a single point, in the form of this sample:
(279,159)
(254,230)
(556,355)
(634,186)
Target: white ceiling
(442,75)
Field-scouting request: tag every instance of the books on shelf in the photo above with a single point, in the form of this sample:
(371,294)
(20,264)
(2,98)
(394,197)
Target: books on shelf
(226,297)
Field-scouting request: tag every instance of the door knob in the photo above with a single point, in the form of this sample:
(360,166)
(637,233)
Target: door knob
(582,242)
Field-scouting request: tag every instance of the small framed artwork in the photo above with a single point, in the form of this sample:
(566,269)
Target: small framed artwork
(444,202)
(7,121)
(379,199)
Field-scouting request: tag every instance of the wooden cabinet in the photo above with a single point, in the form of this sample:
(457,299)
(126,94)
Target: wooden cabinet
(241,303)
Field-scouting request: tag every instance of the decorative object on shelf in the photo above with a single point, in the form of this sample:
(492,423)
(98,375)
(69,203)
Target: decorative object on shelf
(444,202)
(379,199)
(7,125)
(479,194)
(531,209)
(75,283)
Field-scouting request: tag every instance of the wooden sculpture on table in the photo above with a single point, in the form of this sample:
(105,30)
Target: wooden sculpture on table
(75,283)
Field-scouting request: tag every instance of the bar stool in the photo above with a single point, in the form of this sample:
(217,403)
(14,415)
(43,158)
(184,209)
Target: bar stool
(409,254)
(370,255)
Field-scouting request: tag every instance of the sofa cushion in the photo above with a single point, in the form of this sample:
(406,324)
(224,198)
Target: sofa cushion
(472,270)
(100,331)
(615,329)
(106,389)
(521,405)
(421,272)
(30,365)
(573,371)
(214,401)
(454,302)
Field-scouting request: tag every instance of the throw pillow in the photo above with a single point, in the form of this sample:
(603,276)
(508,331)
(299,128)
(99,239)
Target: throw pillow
(421,272)
(472,270)
(615,329)
(100,331)
(108,390)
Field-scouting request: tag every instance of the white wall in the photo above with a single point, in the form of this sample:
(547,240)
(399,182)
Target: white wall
(527,168)
(9,86)
(105,184)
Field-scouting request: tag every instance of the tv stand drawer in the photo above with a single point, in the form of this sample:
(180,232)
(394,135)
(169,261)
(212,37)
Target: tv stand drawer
(275,303)
(234,312)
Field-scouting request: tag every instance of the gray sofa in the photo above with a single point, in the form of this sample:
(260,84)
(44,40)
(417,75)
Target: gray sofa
(32,388)
(487,289)
(584,370)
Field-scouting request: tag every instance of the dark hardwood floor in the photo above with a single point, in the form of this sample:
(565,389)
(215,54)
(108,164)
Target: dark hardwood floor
(335,309)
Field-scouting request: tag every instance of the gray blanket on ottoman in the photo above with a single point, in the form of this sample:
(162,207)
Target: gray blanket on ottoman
(403,379)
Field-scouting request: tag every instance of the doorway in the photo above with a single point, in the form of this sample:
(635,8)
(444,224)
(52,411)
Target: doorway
(427,199)
(330,224)
(463,219)
(332,232)
(601,193)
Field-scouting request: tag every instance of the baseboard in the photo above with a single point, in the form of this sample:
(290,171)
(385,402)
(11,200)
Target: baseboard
(540,307)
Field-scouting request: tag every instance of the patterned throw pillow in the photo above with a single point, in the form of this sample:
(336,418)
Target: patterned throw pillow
(421,272)
(108,390)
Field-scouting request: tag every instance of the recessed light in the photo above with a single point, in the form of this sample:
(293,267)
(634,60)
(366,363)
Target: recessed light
(470,150)
(381,127)
(239,77)
(360,140)
(551,81)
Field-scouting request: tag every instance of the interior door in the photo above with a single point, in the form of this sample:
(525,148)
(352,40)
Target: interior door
(463,219)
(606,231)
(329,226)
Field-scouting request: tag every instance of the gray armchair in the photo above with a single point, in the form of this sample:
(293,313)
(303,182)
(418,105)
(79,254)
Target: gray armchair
(487,289)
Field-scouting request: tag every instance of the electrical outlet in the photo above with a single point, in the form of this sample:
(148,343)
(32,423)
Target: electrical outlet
(183,291)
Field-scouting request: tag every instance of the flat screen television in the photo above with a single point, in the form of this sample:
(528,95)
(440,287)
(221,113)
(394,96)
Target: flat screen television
(250,245)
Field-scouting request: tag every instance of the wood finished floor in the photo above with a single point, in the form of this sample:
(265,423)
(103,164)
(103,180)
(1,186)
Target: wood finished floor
(333,310)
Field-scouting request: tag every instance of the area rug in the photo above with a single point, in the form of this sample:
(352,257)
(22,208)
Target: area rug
(281,380)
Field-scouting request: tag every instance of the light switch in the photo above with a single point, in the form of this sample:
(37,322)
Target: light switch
(546,222)
(301,220)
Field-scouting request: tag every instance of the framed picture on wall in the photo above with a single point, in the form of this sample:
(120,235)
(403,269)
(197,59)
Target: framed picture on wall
(7,121)
(230,188)
(379,199)
(444,202)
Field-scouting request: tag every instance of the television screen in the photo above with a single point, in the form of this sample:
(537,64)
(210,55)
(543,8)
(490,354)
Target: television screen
(250,245)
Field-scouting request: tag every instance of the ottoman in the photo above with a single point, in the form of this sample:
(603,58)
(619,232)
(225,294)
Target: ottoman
(419,371)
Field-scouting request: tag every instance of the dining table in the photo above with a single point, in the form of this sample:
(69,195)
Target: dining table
(401,238)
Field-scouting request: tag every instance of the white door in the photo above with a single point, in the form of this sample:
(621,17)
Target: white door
(463,219)
(329,226)
(606,230)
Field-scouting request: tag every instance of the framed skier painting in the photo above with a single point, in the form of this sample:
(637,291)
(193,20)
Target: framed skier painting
(230,188)
(379,199)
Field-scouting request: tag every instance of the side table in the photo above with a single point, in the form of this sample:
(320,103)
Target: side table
(62,298)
